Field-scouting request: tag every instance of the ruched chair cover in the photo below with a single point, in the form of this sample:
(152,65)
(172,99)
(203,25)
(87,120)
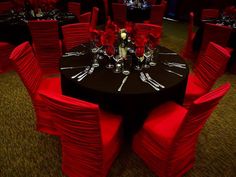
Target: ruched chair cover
(28,69)
(119,14)
(74,7)
(209,67)
(144,29)
(152,2)
(167,141)
(94,18)
(90,138)
(157,14)
(75,34)
(209,13)
(46,44)
(215,33)
(6,49)
(85,17)
(5,7)
(187,52)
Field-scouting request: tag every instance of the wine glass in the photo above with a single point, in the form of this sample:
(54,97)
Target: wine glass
(139,54)
(147,55)
(110,51)
(151,50)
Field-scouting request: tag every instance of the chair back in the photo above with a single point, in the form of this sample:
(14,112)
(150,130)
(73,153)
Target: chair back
(211,65)
(190,26)
(5,63)
(75,34)
(46,43)
(74,7)
(184,143)
(215,33)
(27,67)
(209,13)
(85,17)
(5,6)
(119,13)
(94,18)
(144,29)
(152,2)
(79,127)
(157,14)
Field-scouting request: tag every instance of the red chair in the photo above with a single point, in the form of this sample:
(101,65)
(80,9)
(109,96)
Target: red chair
(90,137)
(75,34)
(157,14)
(5,7)
(46,44)
(152,2)
(28,69)
(209,13)
(209,67)
(187,51)
(215,33)
(85,17)
(144,29)
(6,50)
(119,14)
(74,7)
(106,6)
(167,141)
(94,18)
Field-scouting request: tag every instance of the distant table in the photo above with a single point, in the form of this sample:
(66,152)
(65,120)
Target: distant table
(14,28)
(138,14)
(136,98)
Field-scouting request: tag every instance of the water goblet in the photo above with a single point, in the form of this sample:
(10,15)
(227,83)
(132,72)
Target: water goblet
(139,55)
(147,55)
(152,50)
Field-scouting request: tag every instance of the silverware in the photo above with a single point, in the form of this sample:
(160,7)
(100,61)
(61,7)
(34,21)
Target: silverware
(68,54)
(170,71)
(154,81)
(144,79)
(167,53)
(91,70)
(149,80)
(72,67)
(183,66)
(80,73)
(122,83)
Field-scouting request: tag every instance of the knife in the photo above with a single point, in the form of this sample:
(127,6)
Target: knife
(122,83)
(170,71)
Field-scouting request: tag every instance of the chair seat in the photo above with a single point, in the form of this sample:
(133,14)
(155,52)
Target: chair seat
(110,125)
(162,129)
(52,83)
(193,90)
(44,120)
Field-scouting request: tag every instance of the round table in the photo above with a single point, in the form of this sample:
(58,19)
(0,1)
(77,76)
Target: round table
(136,98)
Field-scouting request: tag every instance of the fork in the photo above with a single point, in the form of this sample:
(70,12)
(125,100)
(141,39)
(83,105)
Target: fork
(144,79)
(154,81)
(80,73)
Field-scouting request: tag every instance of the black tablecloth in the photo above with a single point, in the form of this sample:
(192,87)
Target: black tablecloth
(136,98)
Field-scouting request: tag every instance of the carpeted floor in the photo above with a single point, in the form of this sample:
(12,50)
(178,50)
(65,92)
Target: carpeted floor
(25,152)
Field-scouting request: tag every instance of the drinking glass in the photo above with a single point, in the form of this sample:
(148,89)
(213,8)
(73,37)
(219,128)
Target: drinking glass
(119,64)
(139,54)
(110,51)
